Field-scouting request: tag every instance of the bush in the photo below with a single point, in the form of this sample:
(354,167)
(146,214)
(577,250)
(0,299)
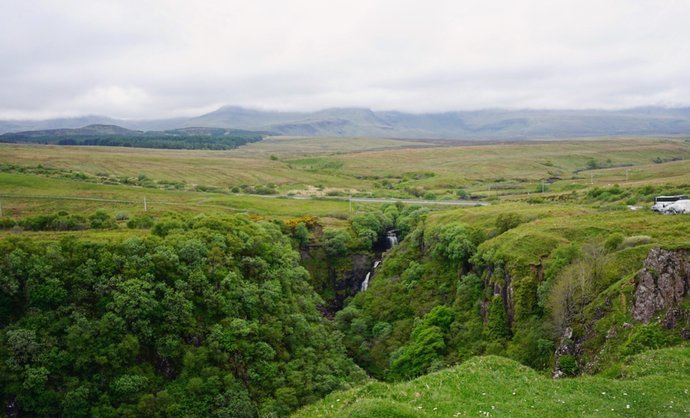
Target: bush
(647,337)
(506,221)
(7,223)
(166,226)
(614,241)
(456,243)
(335,242)
(413,274)
(101,220)
(430,196)
(301,234)
(367,227)
(61,221)
(568,365)
(140,222)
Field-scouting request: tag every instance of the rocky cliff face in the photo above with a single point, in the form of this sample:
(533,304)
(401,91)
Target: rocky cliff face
(662,283)
(335,280)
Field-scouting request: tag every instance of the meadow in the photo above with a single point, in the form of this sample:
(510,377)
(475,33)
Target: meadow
(381,167)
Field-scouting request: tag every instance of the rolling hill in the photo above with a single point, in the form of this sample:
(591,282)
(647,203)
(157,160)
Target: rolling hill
(482,124)
(489,124)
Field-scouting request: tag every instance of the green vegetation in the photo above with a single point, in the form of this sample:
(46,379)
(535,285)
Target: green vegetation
(115,136)
(386,168)
(166,283)
(654,384)
(210,318)
(511,279)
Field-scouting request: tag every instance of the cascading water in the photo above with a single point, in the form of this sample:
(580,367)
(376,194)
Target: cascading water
(365,283)
(392,241)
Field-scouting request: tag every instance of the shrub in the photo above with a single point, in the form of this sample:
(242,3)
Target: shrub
(413,274)
(614,241)
(506,221)
(301,234)
(165,226)
(568,365)
(497,321)
(7,223)
(101,220)
(335,242)
(140,222)
(647,337)
(456,243)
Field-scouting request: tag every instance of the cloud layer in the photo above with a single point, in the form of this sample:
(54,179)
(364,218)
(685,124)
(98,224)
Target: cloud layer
(163,58)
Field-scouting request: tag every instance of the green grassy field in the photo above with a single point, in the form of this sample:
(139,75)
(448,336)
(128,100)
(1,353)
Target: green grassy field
(22,195)
(498,387)
(317,166)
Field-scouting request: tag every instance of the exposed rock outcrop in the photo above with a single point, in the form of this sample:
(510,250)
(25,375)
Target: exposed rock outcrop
(335,280)
(662,283)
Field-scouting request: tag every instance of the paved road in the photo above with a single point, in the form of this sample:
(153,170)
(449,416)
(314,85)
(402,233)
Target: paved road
(202,202)
(387,200)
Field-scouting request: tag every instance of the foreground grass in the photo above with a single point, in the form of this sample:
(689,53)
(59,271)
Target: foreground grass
(656,383)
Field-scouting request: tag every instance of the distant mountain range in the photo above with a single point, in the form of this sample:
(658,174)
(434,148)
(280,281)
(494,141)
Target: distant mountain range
(359,122)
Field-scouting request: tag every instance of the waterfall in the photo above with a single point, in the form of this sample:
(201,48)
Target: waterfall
(365,283)
(392,239)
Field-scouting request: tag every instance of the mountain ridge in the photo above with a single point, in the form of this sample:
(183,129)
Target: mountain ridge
(484,124)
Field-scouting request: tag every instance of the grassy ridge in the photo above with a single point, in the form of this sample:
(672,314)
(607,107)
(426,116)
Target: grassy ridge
(656,384)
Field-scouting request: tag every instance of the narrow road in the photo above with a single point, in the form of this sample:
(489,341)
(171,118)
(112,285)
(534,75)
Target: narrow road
(202,203)
(389,200)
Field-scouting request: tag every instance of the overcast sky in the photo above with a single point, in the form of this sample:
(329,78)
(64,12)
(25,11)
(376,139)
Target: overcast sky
(162,58)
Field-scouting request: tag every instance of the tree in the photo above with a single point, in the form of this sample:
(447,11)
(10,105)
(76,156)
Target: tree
(335,242)
(301,234)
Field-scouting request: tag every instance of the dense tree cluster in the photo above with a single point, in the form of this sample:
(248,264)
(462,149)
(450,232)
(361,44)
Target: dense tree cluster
(142,141)
(205,317)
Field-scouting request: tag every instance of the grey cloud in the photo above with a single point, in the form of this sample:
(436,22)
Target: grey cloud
(161,58)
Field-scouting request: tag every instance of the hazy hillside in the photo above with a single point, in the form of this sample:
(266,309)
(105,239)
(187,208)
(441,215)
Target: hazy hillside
(362,122)
(481,124)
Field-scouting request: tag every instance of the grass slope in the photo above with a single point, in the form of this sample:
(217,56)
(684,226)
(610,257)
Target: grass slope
(656,383)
